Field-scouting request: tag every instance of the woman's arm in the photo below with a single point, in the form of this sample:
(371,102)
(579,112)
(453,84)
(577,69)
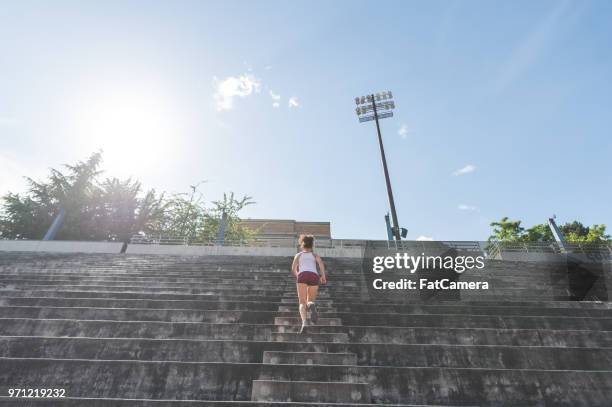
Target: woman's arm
(321,269)
(294,266)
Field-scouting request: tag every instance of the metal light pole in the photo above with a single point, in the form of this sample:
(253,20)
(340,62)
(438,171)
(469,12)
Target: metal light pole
(375,107)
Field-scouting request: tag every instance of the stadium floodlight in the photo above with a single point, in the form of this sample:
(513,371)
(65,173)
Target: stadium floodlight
(375,107)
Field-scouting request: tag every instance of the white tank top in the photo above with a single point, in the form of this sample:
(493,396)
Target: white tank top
(307,262)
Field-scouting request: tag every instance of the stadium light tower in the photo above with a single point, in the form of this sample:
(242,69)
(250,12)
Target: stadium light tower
(375,107)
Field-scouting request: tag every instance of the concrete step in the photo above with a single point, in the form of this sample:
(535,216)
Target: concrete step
(138,314)
(215,304)
(480,336)
(322,296)
(354,334)
(513,306)
(187,289)
(294,308)
(236,351)
(134,329)
(157,283)
(116,402)
(233,351)
(209,296)
(517,303)
(470,310)
(297,321)
(309,358)
(310,328)
(320,301)
(474,321)
(70,278)
(307,391)
(309,337)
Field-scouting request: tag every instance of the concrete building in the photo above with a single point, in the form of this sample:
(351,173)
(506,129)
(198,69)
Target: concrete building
(287,228)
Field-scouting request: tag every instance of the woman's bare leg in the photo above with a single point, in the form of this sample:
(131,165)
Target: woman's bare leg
(312,296)
(302,290)
(312,293)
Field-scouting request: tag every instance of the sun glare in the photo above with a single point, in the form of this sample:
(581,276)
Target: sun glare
(135,129)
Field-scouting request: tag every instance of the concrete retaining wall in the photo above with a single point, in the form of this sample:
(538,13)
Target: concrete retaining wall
(551,257)
(236,251)
(59,246)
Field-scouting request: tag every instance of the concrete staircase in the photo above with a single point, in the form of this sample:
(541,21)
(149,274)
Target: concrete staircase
(271,389)
(171,331)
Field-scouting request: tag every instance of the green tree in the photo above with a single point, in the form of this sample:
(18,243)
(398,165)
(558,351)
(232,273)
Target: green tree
(115,209)
(181,216)
(22,218)
(112,210)
(506,230)
(30,215)
(234,229)
(573,232)
(538,233)
(122,212)
(593,234)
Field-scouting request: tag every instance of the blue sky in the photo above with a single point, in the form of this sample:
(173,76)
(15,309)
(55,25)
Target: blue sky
(503,108)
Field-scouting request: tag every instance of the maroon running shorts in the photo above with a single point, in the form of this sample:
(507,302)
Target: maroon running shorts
(308,277)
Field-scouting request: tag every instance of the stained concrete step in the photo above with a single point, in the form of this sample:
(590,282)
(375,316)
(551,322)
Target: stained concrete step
(480,336)
(208,296)
(457,321)
(126,292)
(138,314)
(323,294)
(55,278)
(303,352)
(522,303)
(294,308)
(246,284)
(115,402)
(337,301)
(134,329)
(232,351)
(309,358)
(218,304)
(263,332)
(320,301)
(130,270)
(470,309)
(309,337)
(310,328)
(297,321)
(307,391)
(262,292)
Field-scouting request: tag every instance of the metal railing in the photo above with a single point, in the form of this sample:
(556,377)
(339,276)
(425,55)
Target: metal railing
(258,242)
(492,249)
(495,248)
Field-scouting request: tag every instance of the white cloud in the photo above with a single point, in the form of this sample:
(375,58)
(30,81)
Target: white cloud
(268,67)
(234,86)
(464,207)
(465,170)
(403,131)
(293,102)
(424,238)
(274,96)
